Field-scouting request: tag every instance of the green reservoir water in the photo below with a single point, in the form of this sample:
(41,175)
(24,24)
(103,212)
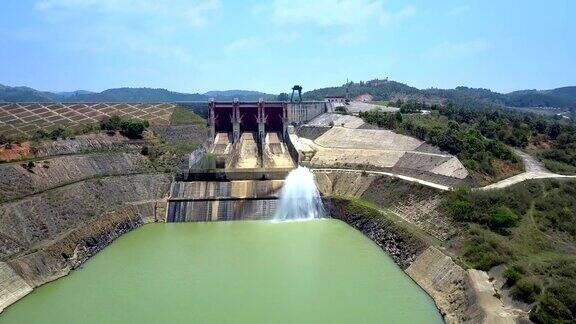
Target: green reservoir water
(320,271)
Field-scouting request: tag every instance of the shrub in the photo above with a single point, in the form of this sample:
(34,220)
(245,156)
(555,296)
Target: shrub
(526,289)
(551,310)
(557,304)
(29,166)
(512,275)
(40,134)
(341,110)
(483,258)
(133,128)
(502,217)
(59,132)
(208,162)
(111,123)
(484,249)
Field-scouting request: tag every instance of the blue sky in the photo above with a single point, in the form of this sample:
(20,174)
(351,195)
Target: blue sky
(200,45)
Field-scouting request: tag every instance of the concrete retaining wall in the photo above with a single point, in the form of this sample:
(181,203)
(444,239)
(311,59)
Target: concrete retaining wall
(305,111)
(12,286)
(447,283)
(221,210)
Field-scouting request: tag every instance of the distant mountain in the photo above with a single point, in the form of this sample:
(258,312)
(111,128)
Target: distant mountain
(73,93)
(242,95)
(474,97)
(25,94)
(136,95)
(379,89)
(561,97)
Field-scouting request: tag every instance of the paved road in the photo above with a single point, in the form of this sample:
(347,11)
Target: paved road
(399,176)
(534,169)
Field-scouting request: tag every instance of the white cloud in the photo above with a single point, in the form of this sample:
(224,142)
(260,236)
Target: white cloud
(253,42)
(457,11)
(331,13)
(397,17)
(145,27)
(349,21)
(194,13)
(242,44)
(451,50)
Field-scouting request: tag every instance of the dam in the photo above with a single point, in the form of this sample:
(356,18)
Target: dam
(251,157)
(318,270)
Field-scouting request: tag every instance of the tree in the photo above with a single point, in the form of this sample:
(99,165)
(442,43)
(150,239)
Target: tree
(133,128)
(59,132)
(283,97)
(111,124)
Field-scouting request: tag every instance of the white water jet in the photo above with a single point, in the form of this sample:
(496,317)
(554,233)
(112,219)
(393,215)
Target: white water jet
(299,198)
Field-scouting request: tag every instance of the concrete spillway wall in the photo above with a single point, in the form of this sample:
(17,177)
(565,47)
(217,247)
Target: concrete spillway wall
(200,201)
(221,210)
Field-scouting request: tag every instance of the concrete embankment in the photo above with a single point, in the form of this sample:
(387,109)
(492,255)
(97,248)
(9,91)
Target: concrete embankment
(12,286)
(448,284)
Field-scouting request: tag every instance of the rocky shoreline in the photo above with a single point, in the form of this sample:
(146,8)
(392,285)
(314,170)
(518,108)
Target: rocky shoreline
(442,279)
(24,273)
(402,247)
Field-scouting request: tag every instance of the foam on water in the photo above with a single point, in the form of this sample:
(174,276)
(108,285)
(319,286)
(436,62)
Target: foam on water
(299,198)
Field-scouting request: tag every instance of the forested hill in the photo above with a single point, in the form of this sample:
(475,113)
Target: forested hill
(462,96)
(379,89)
(25,94)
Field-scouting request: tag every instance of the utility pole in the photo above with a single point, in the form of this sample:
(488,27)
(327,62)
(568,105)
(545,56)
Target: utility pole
(347,91)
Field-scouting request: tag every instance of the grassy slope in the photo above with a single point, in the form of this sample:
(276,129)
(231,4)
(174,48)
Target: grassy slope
(181,116)
(188,132)
(539,248)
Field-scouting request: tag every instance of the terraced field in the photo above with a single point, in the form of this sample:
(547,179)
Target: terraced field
(23,119)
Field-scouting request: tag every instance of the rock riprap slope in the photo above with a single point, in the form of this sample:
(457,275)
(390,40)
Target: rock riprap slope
(45,235)
(19,180)
(382,150)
